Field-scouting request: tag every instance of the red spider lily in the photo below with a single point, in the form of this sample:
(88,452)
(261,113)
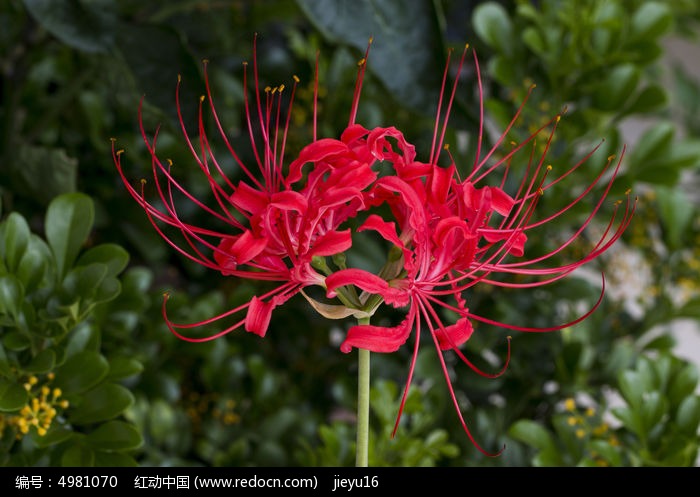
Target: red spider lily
(278,218)
(453,233)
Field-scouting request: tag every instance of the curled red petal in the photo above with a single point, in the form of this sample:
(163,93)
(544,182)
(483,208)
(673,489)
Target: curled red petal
(376,338)
(248,199)
(331,243)
(259,314)
(450,337)
(398,297)
(234,251)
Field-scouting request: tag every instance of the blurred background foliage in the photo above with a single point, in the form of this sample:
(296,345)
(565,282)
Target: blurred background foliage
(90,374)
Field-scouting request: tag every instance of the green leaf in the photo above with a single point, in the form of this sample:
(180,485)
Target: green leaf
(404,33)
(43,362)
(651,20)
(653,409)
(534,41)
(650,99)
(16,340)
(69,220)
(81,372)
(12,396)
(677,212)
(111,255)
(16,238)
(505,73)
(684,383)
(11,296)
(631,387)
(612,93)
(55,435)
(607,451)
(115,436)
(688,415)
(82,282)
(87,26)
(492,24)
(109,289)
(123,367)
(654,143)
(661,343)
(691,309)
(78,456)
(114,460)
(34,264)
(5,368)
(532,434)
(103,403)
(43,173)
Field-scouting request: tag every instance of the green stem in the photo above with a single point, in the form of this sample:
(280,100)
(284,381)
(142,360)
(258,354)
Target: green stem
(362,449)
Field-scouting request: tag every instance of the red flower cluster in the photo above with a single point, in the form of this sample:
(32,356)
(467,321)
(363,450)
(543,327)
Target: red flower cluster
(448,233)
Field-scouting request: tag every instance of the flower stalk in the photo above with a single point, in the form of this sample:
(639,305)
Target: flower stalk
(363,384)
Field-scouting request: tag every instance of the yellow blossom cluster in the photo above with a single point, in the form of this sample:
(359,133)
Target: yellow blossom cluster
(39,412)
(587,425)
(197,406)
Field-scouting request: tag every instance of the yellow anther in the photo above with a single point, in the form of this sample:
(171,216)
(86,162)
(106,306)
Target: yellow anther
(540,191)
(446,146)
(143,181)
(296,78)
(371,39)
(179,78)
(170,162)
(361,62)
(549,167)
(45,390)
(267,89)
(57,392)
(205,61)
(245,63)
(281,88)
(41,431)
(628,191)
(51,376)
(33,380)
(569,404)
(201,98)
(558,118)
